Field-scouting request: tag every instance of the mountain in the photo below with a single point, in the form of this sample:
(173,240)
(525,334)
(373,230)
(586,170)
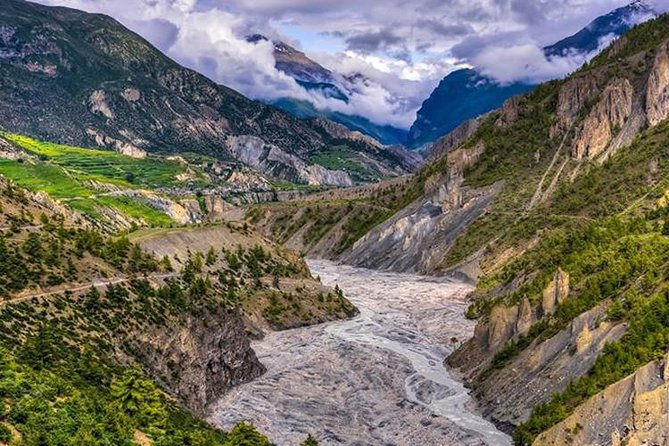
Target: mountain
(83,79)
(462,95)
(385,134)
(315,78)
(466,94)
(615,23)
(556,206)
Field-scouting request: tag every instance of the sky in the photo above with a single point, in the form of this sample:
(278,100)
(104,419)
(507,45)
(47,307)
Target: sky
(398,50)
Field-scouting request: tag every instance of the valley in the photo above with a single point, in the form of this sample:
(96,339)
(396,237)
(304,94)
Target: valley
(184,265)
(375,379)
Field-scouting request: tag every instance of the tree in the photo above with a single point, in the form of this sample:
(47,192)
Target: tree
(139,398)
(244,434)
(211,256)
(310,441)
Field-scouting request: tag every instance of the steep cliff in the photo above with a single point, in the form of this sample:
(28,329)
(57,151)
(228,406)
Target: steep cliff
(633,411)
(200,356)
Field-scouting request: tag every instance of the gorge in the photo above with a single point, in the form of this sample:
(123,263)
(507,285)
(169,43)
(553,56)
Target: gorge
(375,379)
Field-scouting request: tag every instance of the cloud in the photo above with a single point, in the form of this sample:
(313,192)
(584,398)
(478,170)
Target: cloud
(391,53)
(371,42)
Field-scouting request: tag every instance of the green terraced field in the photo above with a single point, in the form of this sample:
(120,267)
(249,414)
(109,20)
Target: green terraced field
(67,173)
(107,166)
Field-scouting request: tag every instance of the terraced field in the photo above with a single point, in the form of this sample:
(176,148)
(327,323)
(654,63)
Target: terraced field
(107,166)
(85,179)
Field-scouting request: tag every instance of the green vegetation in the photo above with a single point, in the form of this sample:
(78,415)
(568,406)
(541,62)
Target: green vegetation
(82,178)
(105,165)
(61,381)
(642,38)
(606,229)
(349,159)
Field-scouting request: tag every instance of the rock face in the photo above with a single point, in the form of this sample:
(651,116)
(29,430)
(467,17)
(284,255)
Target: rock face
(271,160)
(200,357)
(605,120)
(633,411)
(454,139)
(508,323)
(418,237)
(545,368)
(556,292)
(573,97)
(124,147)
(657,94)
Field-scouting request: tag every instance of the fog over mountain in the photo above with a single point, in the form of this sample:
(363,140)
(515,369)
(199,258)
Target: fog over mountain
(393,54)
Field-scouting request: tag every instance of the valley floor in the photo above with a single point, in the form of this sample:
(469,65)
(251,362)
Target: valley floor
(377,379)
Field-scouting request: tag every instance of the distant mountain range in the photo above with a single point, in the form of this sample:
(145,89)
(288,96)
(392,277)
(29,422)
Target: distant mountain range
(83,79)
(313,77)
(465,93)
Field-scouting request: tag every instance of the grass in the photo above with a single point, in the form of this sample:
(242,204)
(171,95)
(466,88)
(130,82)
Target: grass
(106,166)
(68,174)
(44,177)
(338,158)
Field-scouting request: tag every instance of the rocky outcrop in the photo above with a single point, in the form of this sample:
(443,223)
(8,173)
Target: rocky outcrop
(657,93)
(509,112)
(605,120)
(271,160)
(555,293)
(97,103)
(454,139)
(507,323)
(574,96)
(199,357)
(121,146)
(131,94)
(545,368)
(633,411)
(418,238)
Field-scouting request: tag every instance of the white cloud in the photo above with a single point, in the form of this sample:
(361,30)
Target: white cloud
(401,49)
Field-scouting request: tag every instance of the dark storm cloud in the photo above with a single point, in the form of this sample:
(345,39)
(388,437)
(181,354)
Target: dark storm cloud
(443,28)
(373,41)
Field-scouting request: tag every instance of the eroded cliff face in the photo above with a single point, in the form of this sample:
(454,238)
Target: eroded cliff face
(605,120)
(633,412)
(545,368)
(542,369)
(200,356)
(657,94)
(271,160)
(418,238)
(507,323)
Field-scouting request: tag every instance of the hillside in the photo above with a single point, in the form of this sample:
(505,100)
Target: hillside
(103,342)
(83,79)
(556,205)
(466,93)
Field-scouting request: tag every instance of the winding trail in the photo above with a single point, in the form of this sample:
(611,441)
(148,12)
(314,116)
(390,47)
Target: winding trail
(26,296)
(377,379)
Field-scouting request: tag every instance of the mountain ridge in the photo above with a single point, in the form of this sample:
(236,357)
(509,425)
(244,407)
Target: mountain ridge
(444,111)
(316,79)
(102,85)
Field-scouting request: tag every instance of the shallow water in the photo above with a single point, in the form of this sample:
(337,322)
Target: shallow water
(377,379)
